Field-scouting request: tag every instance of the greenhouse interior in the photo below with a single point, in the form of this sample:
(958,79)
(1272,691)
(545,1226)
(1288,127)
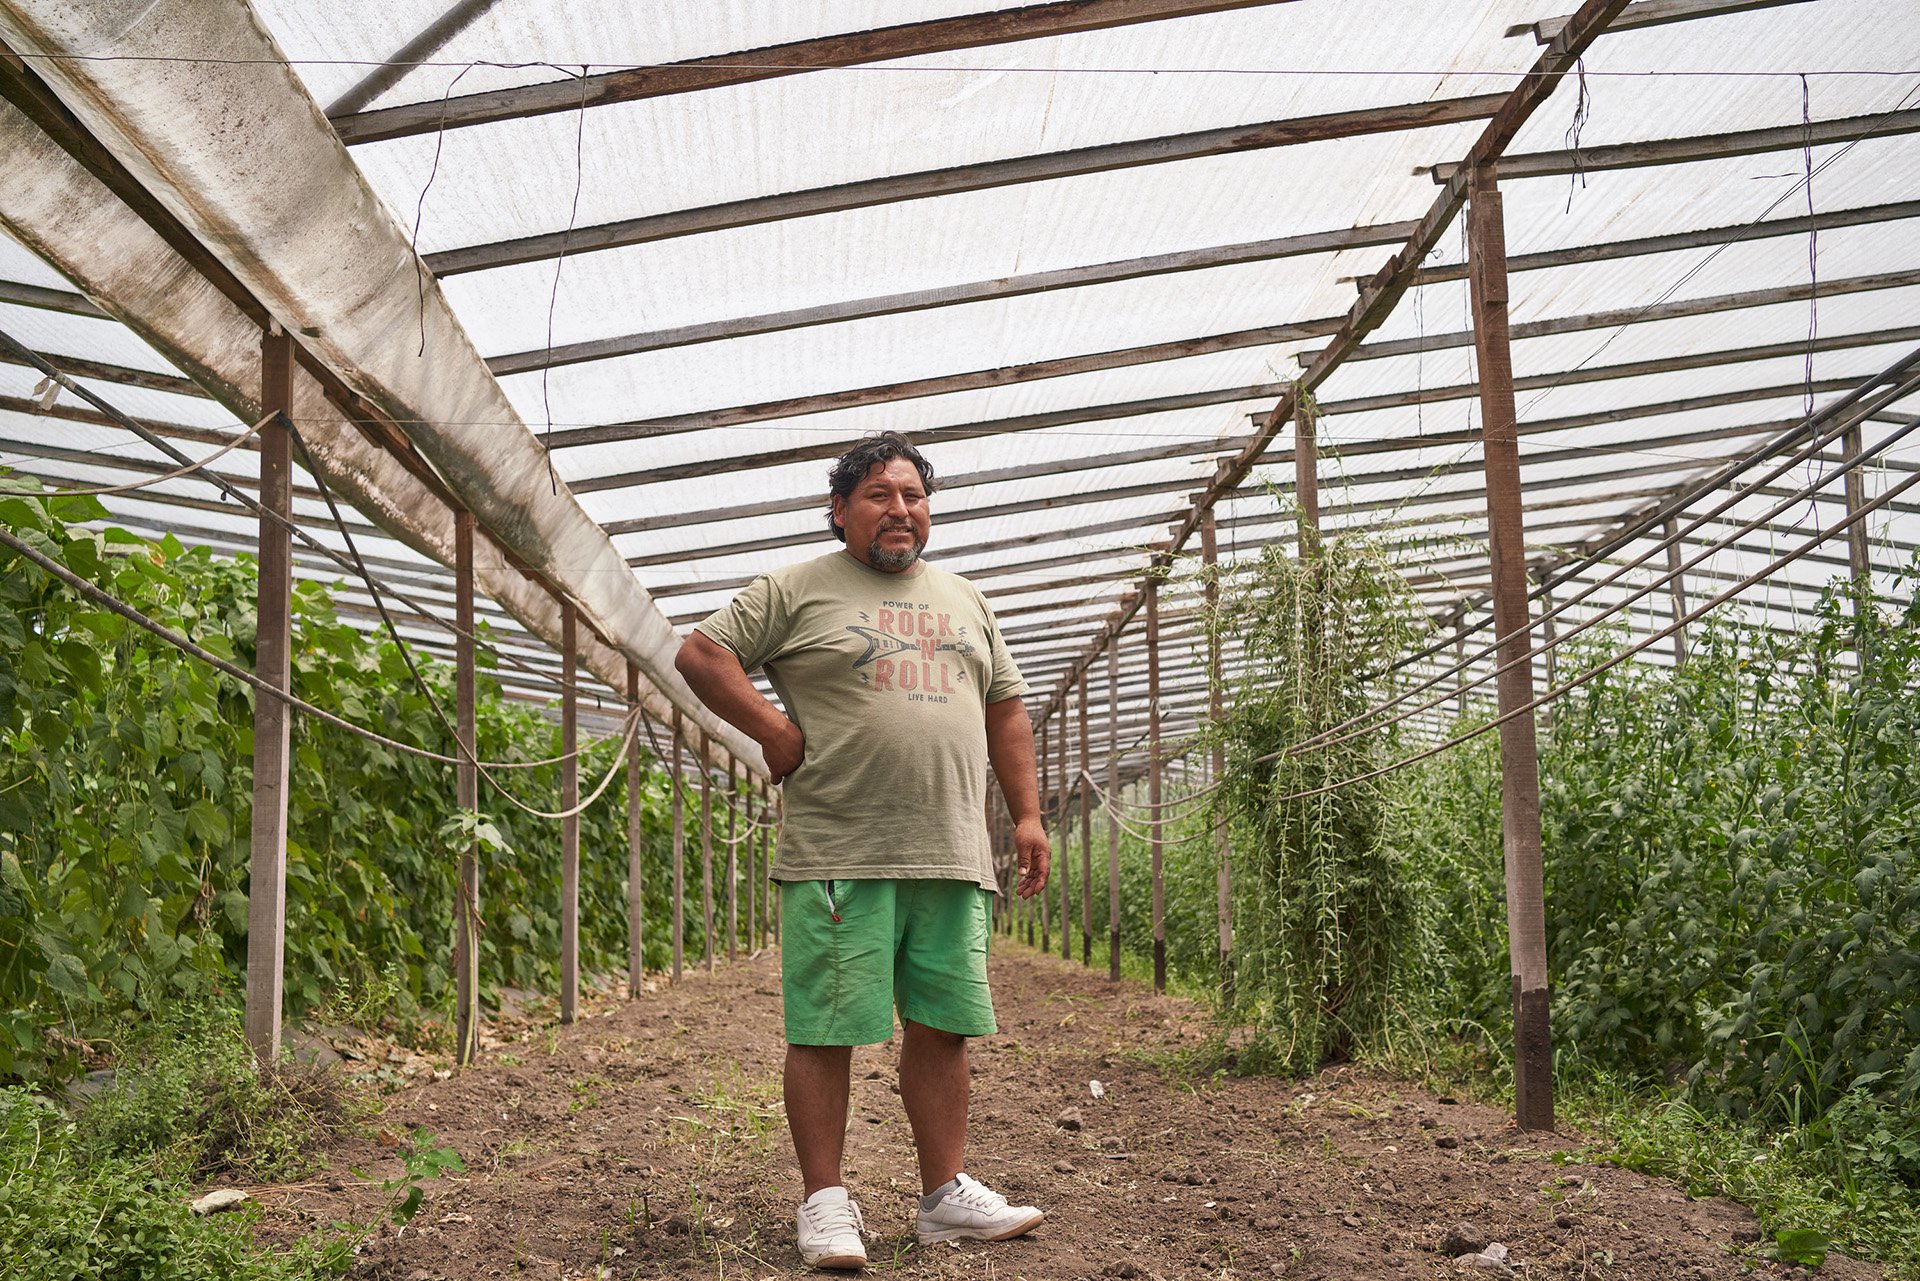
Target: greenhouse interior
(1495,833)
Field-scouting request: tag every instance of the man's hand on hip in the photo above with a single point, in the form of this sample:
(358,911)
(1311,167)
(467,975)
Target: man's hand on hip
(1035,856)
(784,750)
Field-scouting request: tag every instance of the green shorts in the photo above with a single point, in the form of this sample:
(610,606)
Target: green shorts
(851,951)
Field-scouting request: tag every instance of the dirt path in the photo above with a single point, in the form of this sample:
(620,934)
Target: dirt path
(648,1141)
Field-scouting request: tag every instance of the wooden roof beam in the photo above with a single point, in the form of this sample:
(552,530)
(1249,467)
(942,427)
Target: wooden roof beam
(633,84)
(1014,170)
(1677,151)
(1651,13)
(829,401)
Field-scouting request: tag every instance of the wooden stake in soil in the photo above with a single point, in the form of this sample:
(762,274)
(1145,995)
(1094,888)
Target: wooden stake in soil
(273,663)
(1223,882)
(752,844)
(706,848)
(1046,916)
(1113,807)
(1064,863)
(570,825)
(1086,835)
(679,808)
(1154,784)
(636,866)
(466,918)
(733,867)
(1519,764)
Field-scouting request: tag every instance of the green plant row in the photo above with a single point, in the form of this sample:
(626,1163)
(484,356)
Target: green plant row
(125,801)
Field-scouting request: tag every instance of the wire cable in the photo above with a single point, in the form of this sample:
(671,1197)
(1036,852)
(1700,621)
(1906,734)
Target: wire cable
(1334,734)
(28,356)
(1685,620)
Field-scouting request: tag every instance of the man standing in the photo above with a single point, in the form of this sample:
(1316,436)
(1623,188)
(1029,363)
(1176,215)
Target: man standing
(899,693)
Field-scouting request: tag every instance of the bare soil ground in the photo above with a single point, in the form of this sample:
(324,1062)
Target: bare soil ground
(648,1140)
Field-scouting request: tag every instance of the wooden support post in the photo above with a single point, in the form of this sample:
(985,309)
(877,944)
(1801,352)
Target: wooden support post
(1223,885)
(678,791)
(1113,808)
(570,825)
(778,901)
(1460,658)
(1154,785)
(706,848)
(1550,634)
(1061,861)
(1519,764)
(466,914)
(1677,589)
(1859,551)
(272,663)
(1306,477)
(1046,915)
(1086,832)
(636,865)
(750,840)
(733,866)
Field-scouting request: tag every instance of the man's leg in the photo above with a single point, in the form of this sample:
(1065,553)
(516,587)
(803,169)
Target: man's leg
(818,1078)
(934,1086)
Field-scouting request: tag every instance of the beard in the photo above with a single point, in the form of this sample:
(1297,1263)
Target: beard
(894,562)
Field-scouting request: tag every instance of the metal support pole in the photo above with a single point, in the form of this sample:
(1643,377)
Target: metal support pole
(636,865)
(678,791)
(733,867)
(570,825)
(1519,764)
(1064,792)
(1210,559)
(273,663)
(1306,477)
(1113,808)
(706,848)
(1677,587)
(466,916)
(1154,783)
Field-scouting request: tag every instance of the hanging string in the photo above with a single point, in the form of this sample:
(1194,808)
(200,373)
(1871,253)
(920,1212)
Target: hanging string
(559,261)
(1582,108)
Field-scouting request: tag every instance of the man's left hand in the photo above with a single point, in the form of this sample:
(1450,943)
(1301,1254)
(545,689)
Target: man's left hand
(1035,856)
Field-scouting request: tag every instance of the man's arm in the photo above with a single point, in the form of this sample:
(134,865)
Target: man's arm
(715,674)
(1010,750)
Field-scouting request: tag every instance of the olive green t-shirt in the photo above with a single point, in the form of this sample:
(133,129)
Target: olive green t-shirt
(888,676)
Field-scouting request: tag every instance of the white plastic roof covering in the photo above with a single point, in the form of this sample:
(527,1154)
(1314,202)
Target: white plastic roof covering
(1051,547)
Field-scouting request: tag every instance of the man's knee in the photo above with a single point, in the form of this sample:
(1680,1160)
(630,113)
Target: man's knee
(934,1036)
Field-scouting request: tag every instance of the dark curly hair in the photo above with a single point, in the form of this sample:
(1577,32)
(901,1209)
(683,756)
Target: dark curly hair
(852,467)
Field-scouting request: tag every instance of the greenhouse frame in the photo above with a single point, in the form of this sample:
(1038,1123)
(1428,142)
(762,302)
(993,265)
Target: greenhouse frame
(570,313)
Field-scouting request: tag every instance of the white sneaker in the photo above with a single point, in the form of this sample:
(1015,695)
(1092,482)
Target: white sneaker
(975,1212)
(829,1227)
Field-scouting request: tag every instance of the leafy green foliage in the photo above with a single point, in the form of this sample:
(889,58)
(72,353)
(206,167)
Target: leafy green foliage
(1320,905)
(188,1095)
(125,797)
(1816,1187)
(107,1196)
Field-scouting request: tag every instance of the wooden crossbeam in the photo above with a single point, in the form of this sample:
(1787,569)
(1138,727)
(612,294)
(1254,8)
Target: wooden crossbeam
(746,66)
(983,176)
(1677,151)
